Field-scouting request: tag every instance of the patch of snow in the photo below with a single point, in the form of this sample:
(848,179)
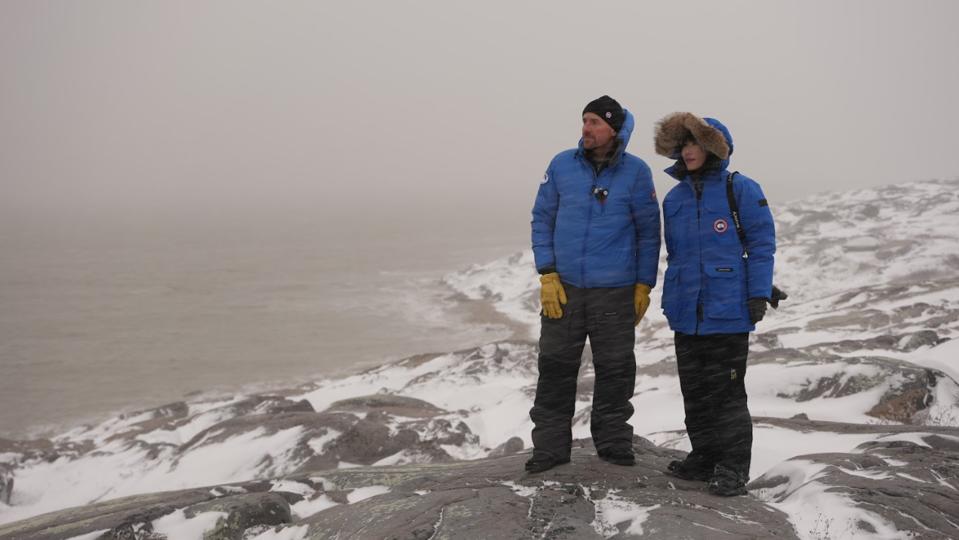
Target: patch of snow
(299,532)
(327,485)
(613,510)
(772,446)
(177,525)
(872,475)
(817,512)
(364,493)
(219,491)
(403,457)
(89,536)
(309,507)
(65,482)
(289,486)
(894,462)
(522,491)
(910,477)
(318,444)
(942,357)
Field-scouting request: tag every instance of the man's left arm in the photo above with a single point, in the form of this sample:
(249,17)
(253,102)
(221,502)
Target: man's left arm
(760,233)
(645,212)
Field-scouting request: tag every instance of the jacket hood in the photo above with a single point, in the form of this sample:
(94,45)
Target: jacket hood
(710,133)
(622,136)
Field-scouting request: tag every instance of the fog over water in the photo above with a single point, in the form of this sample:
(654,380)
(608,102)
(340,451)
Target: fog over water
(204,195)
(127,319)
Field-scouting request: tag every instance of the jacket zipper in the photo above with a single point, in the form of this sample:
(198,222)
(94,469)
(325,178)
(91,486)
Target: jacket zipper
(698,188)
(589,219)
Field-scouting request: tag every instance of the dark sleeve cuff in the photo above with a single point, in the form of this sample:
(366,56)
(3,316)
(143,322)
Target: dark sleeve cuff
(547,270)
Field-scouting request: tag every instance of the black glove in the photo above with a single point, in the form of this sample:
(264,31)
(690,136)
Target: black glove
(757,309)
(778,294)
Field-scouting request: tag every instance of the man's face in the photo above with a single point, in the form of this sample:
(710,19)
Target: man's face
(693,155)
(596,132)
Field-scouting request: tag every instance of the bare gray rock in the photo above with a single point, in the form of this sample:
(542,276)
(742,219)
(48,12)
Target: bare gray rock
(370,440)
(867,319)
(243,512)
(924,338)
(6,483)
(511,446)
(389,404)
(45,449)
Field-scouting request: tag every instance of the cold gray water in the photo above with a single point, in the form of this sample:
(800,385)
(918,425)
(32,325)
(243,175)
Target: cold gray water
(101,320)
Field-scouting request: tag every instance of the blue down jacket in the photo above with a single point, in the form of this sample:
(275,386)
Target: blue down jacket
(707,280)
(592,243)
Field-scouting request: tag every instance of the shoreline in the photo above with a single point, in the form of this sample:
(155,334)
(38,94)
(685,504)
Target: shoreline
(473,312)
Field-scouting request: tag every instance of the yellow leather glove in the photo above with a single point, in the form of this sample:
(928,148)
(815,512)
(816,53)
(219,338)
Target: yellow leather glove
(640,301)
(552,295)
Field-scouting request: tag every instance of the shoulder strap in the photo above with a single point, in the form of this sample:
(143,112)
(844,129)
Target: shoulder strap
(734,210)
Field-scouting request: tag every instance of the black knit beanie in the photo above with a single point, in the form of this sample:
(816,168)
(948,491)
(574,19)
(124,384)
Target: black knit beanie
(609,110)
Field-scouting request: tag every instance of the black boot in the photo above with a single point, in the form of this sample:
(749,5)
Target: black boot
(618,456)
(727,482)
(689,470)
(543,461)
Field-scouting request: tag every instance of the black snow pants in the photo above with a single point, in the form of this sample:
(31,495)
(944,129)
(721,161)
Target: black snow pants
(606,316)
(712,372)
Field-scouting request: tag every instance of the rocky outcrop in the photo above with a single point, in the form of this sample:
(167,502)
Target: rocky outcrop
(587,498)
(489,498)
(511,446)
(388,404)
(245,506)
(908,486)
(909,389)
(244,512)
(900,484)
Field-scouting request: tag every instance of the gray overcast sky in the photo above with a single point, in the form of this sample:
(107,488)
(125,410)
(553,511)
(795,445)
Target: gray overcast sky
(377,115)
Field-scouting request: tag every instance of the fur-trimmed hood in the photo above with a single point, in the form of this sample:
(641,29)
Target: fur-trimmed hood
(710,133)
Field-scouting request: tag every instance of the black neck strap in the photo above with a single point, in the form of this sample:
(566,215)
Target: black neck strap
(734,209)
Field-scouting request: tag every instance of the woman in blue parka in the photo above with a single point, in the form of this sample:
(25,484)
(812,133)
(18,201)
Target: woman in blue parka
(715,290)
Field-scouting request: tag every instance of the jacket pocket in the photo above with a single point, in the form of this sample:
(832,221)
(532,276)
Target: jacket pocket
(672,224)
(671,292)
(724,291)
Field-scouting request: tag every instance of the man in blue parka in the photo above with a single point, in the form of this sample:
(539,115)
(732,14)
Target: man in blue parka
(596,238)
(714,292)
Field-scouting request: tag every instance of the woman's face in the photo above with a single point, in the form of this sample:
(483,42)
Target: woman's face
(693,155)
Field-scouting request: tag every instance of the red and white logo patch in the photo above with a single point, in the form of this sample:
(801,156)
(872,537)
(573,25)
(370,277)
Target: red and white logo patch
(720,225)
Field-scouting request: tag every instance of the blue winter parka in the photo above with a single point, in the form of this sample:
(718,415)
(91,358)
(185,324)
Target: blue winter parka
(708,281)
(592,242)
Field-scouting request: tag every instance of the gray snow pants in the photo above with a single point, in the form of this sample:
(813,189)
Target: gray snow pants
(607,317)
(712,373)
